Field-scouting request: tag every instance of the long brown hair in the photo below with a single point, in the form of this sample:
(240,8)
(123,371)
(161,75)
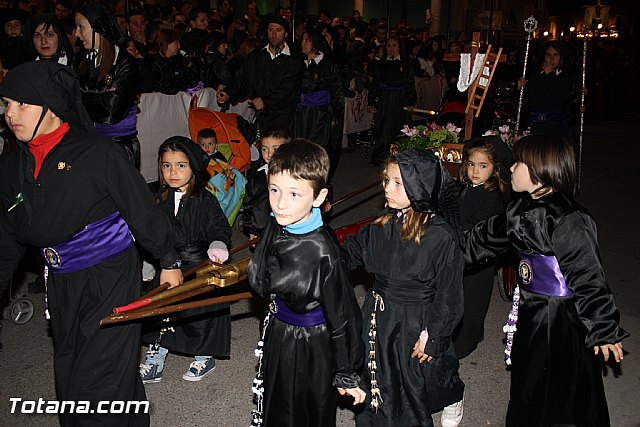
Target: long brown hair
(192,186)
(486,147)
(414,223)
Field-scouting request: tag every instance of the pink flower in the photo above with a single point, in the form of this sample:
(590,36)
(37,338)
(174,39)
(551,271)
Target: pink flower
(409,131)
(452,128)
(504,129)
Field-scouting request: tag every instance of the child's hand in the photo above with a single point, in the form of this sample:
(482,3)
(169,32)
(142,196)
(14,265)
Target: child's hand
(357,393)
(173,277)
(615,349)
(218,252)
(418,351)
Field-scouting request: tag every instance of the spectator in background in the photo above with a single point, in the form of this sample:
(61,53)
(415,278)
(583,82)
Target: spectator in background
(137,29)
(270,77)
(63,9)
(199,19)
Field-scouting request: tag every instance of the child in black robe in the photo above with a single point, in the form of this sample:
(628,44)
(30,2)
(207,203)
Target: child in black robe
(563,314)
(413,251)
(72,193)
(482,174)
(200,231)
(311,333)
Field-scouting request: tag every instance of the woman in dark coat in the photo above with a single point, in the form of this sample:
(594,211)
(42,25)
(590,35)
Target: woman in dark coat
(321,105)
(45,38)
(165,70)
(393,89)
(109,78)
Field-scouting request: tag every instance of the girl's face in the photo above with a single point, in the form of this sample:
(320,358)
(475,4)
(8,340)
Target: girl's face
(172,49)
(268,146)
(521,180)
(394,190)
(23,118)
(45,41)
(85,33)
(479,168)
(176,170)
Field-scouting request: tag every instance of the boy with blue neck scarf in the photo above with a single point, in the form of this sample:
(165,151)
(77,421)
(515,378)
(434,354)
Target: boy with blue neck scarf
(311,332)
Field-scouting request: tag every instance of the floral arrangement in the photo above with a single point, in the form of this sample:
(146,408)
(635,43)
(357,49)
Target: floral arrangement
(428,136)
(508,135)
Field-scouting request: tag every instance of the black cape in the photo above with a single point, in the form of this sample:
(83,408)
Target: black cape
(421,286)
(304,365)
(555,377)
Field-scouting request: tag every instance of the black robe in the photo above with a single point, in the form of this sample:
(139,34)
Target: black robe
(393,88)
(314,123)
(555,377)
(276,81)
(256,207)
(204,331)
(476,204)
(304,365)
(83,179)
(109,101)
(550,93)
(421,287)
(166,75)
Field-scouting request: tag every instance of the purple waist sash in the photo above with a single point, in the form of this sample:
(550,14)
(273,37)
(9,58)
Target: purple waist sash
(124,127)
(541,274)
(197,87)
(546,117)
(94,244)
(316,98)
(305,320)
(390,88)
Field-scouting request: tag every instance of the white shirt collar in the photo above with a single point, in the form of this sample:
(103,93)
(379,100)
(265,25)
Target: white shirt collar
(393,58)
(317,59)
(285,51)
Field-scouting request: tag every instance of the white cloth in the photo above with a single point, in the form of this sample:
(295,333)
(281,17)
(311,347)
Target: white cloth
(469,73)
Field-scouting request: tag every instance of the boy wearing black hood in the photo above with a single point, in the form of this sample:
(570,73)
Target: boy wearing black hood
(72,193)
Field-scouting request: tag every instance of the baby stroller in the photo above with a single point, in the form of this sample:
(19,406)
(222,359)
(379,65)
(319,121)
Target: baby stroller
(19,310)
(227,182)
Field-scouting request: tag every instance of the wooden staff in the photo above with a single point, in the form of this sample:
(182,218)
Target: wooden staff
(224,275)
(134,315)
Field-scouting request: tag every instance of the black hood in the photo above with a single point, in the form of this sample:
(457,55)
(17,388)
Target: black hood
(103,22)
(51,85)
(198,158)
(423,178)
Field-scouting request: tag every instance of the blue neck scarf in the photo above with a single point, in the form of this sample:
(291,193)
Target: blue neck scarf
(312,223)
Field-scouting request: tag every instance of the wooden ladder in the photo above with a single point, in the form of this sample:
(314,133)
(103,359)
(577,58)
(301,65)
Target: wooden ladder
(482,82)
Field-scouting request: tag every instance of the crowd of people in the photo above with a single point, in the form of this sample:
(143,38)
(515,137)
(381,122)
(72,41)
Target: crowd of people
(73,76)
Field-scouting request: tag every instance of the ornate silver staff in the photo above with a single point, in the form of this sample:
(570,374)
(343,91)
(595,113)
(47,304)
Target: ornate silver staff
(585,31)
(530,25)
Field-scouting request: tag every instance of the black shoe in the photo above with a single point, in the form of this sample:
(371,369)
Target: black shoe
(37,286)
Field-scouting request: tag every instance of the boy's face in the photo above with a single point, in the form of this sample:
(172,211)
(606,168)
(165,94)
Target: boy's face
(268,146)
(521,179)
(292,199)
(13,28)
(209,145)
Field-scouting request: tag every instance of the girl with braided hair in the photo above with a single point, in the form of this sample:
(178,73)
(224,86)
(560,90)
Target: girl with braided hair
(413,251)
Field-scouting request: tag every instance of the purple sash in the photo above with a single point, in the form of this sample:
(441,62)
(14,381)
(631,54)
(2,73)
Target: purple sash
(390,88)
(546,117)
(316,98)
(541,274)
(306,320)
(124,127)
(92,245)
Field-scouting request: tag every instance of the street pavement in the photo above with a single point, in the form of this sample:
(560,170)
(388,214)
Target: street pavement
(224,398)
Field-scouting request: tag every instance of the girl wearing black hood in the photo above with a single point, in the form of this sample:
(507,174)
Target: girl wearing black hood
(413,250)
(109,78)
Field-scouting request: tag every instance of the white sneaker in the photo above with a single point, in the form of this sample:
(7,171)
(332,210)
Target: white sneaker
(452,414)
